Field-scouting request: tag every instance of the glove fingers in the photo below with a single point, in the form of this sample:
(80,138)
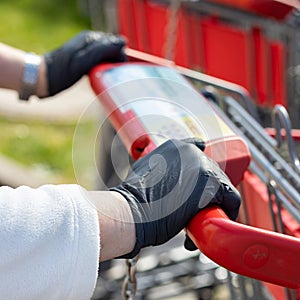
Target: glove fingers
(110,49)
(195,141)
(121,57)
(189,244)
(229,200)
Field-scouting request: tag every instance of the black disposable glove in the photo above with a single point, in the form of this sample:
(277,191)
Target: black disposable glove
(76,58)
(166,189)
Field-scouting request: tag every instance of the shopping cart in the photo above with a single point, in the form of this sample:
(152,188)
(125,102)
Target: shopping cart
(248,55)
(263,250)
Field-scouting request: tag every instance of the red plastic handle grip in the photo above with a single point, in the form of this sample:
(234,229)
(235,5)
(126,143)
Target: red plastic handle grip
(249,251)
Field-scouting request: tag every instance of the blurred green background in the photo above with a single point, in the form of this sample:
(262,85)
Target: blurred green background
(40,26)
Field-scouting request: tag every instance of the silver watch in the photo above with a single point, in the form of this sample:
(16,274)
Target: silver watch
(29,76)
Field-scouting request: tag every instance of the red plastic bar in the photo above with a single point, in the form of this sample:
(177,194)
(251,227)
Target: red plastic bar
(277,9)
(219,60)
(262,66)
(295,133)
(249,251)
(278,59)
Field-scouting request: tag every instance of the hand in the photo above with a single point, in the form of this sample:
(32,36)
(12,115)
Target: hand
(166,189)
(75,58)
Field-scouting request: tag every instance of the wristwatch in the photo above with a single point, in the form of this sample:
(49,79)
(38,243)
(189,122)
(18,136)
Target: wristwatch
(29,76)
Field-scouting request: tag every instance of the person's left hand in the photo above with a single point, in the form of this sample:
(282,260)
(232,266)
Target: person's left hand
(78,56)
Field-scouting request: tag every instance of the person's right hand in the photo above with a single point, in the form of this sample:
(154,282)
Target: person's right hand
(166,188)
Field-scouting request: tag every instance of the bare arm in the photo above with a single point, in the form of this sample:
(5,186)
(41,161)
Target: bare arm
(62,67)
(117,228)
(11,69)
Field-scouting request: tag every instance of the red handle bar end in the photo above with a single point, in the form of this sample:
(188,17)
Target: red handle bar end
(249,251)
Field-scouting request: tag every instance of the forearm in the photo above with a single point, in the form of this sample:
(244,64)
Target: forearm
(117,228)
(11,70)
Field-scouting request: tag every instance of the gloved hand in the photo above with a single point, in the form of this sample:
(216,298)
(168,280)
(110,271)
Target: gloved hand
(76,57)
(166,188)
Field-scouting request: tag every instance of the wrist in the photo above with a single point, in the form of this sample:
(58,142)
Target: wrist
(42,83)
(117,228)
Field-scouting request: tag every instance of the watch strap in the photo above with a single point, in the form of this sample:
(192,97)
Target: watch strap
(29,76)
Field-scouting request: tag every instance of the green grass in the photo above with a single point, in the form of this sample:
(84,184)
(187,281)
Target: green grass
(47,147)
(40,25)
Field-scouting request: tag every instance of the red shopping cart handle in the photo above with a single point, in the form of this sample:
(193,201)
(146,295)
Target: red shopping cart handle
(246,250)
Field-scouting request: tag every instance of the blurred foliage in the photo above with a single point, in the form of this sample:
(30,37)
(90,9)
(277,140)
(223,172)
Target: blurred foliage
(40,26)
(46,147)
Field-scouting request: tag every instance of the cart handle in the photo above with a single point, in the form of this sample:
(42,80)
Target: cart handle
(253,252)
(249,251)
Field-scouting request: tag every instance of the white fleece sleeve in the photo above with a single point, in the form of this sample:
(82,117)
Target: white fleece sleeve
(49,243)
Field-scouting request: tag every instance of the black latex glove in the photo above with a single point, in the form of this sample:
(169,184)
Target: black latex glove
(166,189)
(76,58)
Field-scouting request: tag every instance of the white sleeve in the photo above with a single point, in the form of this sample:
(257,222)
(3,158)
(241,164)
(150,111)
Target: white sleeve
(49,243)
